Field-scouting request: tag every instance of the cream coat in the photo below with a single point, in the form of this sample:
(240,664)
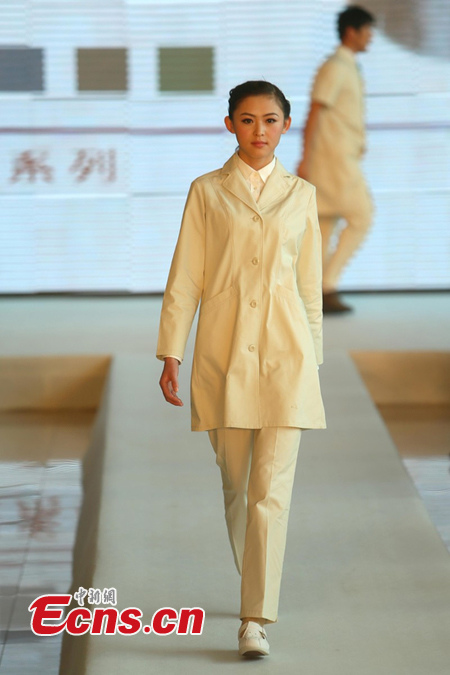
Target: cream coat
(256,268)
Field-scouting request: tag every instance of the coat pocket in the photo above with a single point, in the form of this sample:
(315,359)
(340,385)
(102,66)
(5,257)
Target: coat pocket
(293,298)
(288,294)
(214,302)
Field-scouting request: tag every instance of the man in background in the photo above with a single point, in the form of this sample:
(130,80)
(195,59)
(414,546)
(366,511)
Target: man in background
(333,146)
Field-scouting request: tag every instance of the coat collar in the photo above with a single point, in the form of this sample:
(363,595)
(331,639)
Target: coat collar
(277,184)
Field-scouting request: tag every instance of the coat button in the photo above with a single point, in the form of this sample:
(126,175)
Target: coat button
(253,303)
(255,261)
(256,218)
(251,348)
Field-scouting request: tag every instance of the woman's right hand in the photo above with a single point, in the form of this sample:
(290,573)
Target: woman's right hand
(169,381)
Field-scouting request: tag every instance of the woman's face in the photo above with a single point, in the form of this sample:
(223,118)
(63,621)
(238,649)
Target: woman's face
(258,123)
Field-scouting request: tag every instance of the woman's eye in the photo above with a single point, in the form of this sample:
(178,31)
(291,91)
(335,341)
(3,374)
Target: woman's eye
(271,120)
(247,120)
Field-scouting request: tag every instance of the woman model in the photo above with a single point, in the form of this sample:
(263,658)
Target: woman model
(249,250)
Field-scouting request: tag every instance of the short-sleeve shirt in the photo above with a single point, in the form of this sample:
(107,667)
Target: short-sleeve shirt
(339,86)
(339,143)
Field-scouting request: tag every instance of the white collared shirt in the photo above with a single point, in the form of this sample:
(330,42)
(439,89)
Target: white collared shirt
(255,179)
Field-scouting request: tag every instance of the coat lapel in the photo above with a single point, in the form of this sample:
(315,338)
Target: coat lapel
(274,190)
(276,187)
(236,183)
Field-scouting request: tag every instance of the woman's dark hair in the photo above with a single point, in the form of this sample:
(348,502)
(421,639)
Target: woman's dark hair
(353,17)
(257,88)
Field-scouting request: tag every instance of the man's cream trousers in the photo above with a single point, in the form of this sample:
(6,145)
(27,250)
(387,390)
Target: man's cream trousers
(358,221)
(258,467)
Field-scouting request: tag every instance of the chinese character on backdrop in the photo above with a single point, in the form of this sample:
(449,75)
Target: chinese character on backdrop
(32,165)
(92,161)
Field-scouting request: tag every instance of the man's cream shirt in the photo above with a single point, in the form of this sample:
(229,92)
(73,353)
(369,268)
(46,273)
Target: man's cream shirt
(339,87)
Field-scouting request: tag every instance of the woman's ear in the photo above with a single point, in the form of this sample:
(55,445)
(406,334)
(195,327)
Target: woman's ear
(287,124)
(229,124)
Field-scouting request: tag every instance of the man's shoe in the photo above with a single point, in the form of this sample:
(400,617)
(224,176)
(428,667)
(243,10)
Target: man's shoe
(253,640)
(332,304)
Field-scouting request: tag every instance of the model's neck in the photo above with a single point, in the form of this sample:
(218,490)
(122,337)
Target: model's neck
(350,45)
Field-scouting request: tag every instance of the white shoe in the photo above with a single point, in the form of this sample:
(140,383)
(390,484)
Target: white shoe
(253,640)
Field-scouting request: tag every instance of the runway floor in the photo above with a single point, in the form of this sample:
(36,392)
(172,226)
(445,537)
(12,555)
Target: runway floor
(366,586)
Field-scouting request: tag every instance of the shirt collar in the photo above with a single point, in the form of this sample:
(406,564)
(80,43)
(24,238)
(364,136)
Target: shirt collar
(247,170)
(347,53)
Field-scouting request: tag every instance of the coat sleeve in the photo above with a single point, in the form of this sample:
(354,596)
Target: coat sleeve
(309,274)
(185,282)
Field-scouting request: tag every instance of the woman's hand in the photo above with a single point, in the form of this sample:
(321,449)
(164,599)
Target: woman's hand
(169,381)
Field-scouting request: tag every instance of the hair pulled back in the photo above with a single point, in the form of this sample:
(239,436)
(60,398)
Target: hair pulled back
(257,88)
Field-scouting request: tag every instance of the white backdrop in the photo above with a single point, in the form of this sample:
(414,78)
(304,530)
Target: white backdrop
(92,185)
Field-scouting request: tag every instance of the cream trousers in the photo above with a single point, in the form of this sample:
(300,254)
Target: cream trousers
(257,467)
(358,222)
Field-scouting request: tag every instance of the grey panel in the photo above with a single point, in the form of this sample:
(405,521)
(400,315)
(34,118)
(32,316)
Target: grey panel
(422,27)
(21,69)
(102,69)
(186,69)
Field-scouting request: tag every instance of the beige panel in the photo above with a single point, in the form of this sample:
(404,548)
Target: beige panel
(52,382)
(419,430)
(405,377)
(43,435)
